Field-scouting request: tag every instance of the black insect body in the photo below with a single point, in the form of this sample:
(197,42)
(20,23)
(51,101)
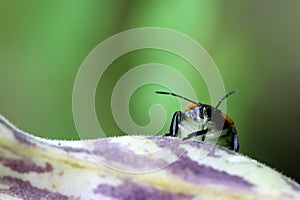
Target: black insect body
(204,122)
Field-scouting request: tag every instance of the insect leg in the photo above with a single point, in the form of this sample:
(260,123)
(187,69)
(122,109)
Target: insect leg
(235,142)
(174,124)
(194,134)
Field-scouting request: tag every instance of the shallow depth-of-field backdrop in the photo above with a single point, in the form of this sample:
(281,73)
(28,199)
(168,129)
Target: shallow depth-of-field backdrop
(254,43)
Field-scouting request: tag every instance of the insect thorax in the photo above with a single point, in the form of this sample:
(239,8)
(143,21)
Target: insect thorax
(193,120)
(199,118)
(198,114)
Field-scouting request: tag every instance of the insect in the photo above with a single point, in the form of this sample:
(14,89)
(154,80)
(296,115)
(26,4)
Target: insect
(205,122)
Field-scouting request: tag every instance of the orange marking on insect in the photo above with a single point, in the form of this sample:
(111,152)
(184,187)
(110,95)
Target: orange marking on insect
(229,120)
(190,106)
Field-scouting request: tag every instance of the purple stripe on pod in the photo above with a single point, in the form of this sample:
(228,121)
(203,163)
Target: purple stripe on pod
(24,190)
(292,184)
(191,171)
(114,152)
(288,196)
(173,145)
(212,148)
(20,136)
(170,143)
(129,190)
(73,149)
(29,140)
(25,165)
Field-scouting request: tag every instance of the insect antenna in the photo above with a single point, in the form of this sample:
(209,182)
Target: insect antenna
(177,95)
(227,95)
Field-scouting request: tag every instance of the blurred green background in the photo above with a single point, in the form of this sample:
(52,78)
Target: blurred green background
(255,45)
